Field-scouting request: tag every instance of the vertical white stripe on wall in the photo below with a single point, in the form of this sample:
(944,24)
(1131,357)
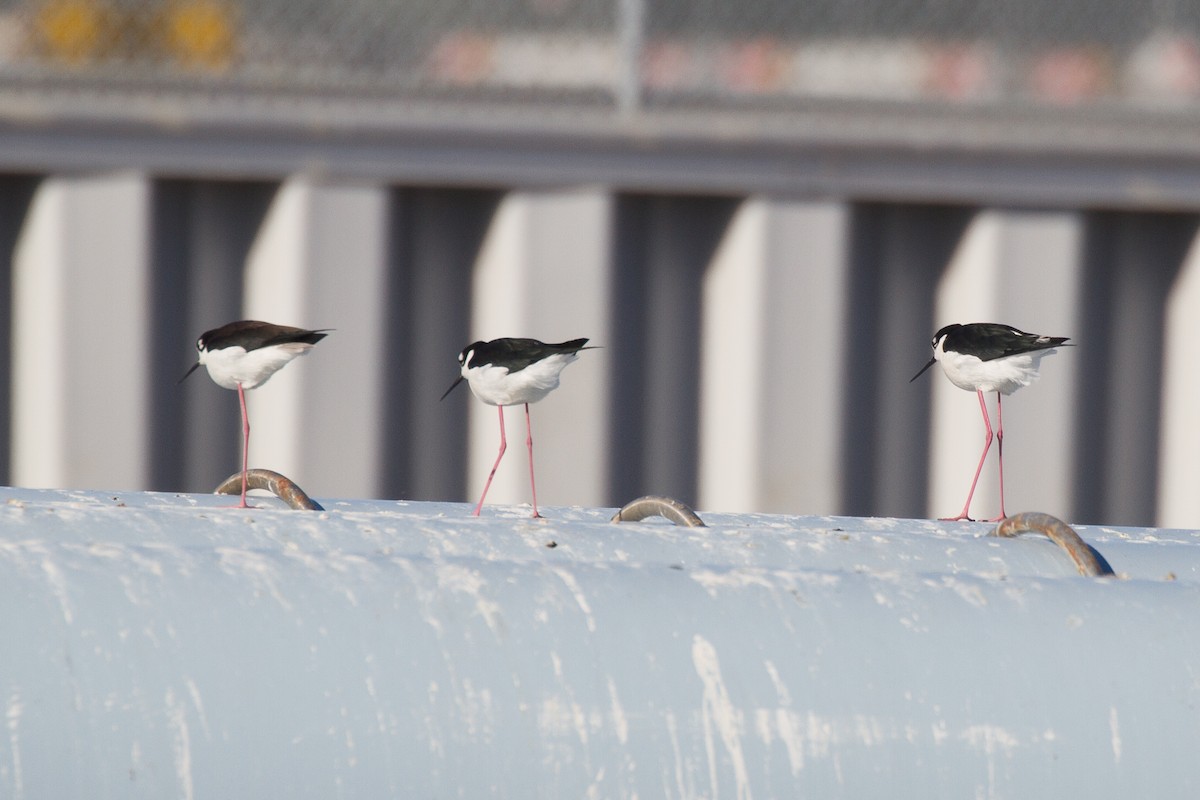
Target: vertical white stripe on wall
(543,273)
(1022,269)
(1179,466)
(773,356)
(275,290)
(81,332)
(320,262)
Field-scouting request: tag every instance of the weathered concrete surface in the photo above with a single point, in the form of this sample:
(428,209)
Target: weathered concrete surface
(158,645)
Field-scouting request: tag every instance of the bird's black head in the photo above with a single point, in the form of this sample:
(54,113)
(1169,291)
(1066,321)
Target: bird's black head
(943,333)
(464,359)
(937,339)
(468,352)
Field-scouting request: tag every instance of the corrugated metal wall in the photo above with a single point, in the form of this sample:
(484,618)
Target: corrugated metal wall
(763,267)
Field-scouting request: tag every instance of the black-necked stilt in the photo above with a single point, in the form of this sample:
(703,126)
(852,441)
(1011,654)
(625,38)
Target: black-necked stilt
(988,357)
(243,355)
(509,372)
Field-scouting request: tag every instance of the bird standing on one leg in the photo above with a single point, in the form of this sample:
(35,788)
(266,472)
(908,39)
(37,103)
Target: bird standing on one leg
(989,357)
(243,355)
(509,372)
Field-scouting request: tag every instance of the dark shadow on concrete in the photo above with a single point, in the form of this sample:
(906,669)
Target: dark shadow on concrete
(663,245)
(202,234)
(897,255)
(434,242)
(16,194)
(1130,261)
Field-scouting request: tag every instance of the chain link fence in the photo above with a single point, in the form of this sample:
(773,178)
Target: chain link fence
(624,53)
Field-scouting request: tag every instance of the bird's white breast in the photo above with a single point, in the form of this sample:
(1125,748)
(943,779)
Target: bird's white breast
(496,386)
(230,366)
(1004,375)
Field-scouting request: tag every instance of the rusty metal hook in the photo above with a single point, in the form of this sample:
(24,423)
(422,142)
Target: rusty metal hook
(1087,559)
(654,505)
(282,487)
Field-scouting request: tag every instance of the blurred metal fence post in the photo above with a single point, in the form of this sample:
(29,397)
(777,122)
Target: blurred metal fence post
(631,22)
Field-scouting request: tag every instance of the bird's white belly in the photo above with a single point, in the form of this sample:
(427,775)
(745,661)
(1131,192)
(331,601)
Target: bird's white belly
(1004,375)
(496,386)
(233,365)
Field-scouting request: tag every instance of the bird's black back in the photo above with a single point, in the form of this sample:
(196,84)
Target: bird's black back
(991,340)
(517,354)
(250,334)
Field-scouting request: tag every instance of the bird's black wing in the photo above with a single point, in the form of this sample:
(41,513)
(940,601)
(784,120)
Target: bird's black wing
(251,334)
(990,340)
(517,354)
(299,335)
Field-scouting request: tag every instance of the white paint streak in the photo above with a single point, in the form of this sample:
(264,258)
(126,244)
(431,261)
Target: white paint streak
(673,732)
(457,578)
(620,722)
(970,592)
(13,718)
(120,553)
(58,583)
(475,709)
(821,736)
(781,689)
(177,719)
(593,791)
(869,730)
(577,593)
(580,720)
(1114,725)
(135,759)
(713,581)
(787,722)
(559,716)
(248,563)
(792,736)
(993,741)
(762,725)
(719,712)
(553,716)
(352,756)
(198,704)
(990,739)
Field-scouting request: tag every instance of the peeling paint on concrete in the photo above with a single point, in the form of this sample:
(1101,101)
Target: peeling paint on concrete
(384,647)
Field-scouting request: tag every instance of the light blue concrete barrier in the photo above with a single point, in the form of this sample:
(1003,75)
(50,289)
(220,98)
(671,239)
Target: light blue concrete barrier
(157,645)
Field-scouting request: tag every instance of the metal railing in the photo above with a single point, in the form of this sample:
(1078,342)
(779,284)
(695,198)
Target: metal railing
(624,53)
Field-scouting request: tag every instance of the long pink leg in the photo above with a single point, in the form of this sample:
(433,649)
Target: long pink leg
(529,444)
(987,444)
(1000,454)
(245,443)
(500,455)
